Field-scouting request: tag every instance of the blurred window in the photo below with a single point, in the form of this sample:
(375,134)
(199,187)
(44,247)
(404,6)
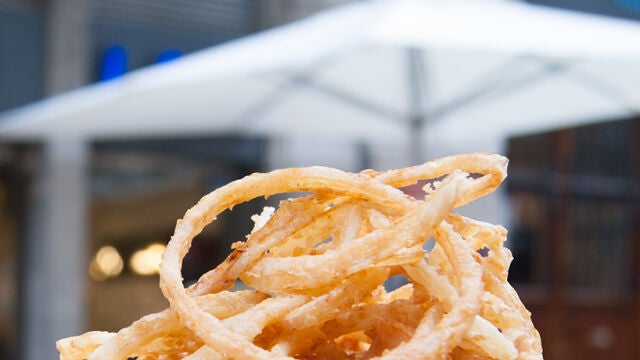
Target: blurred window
(576,209)
(573,192)
(138,191)
(599,253)
(529,239)
(531,165)
(21,53)
(9,179)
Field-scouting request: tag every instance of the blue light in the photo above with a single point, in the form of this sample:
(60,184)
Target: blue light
(168,55)
(114,63)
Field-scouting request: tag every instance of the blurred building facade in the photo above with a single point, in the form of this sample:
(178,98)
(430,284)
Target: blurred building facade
(574,193)
(575,237)
(52,46)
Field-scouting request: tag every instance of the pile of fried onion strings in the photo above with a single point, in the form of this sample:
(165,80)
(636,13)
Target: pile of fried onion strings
(315,270)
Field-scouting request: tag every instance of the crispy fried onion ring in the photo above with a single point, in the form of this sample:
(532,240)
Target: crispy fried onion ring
(316,270)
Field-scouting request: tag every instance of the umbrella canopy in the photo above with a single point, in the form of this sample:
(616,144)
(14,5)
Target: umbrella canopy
(372,71)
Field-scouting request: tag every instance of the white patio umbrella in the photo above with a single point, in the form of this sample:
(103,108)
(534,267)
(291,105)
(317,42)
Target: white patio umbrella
(374,71)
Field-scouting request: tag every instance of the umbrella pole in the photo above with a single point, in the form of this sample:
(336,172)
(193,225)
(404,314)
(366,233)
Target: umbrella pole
(417,115)
(416,141)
